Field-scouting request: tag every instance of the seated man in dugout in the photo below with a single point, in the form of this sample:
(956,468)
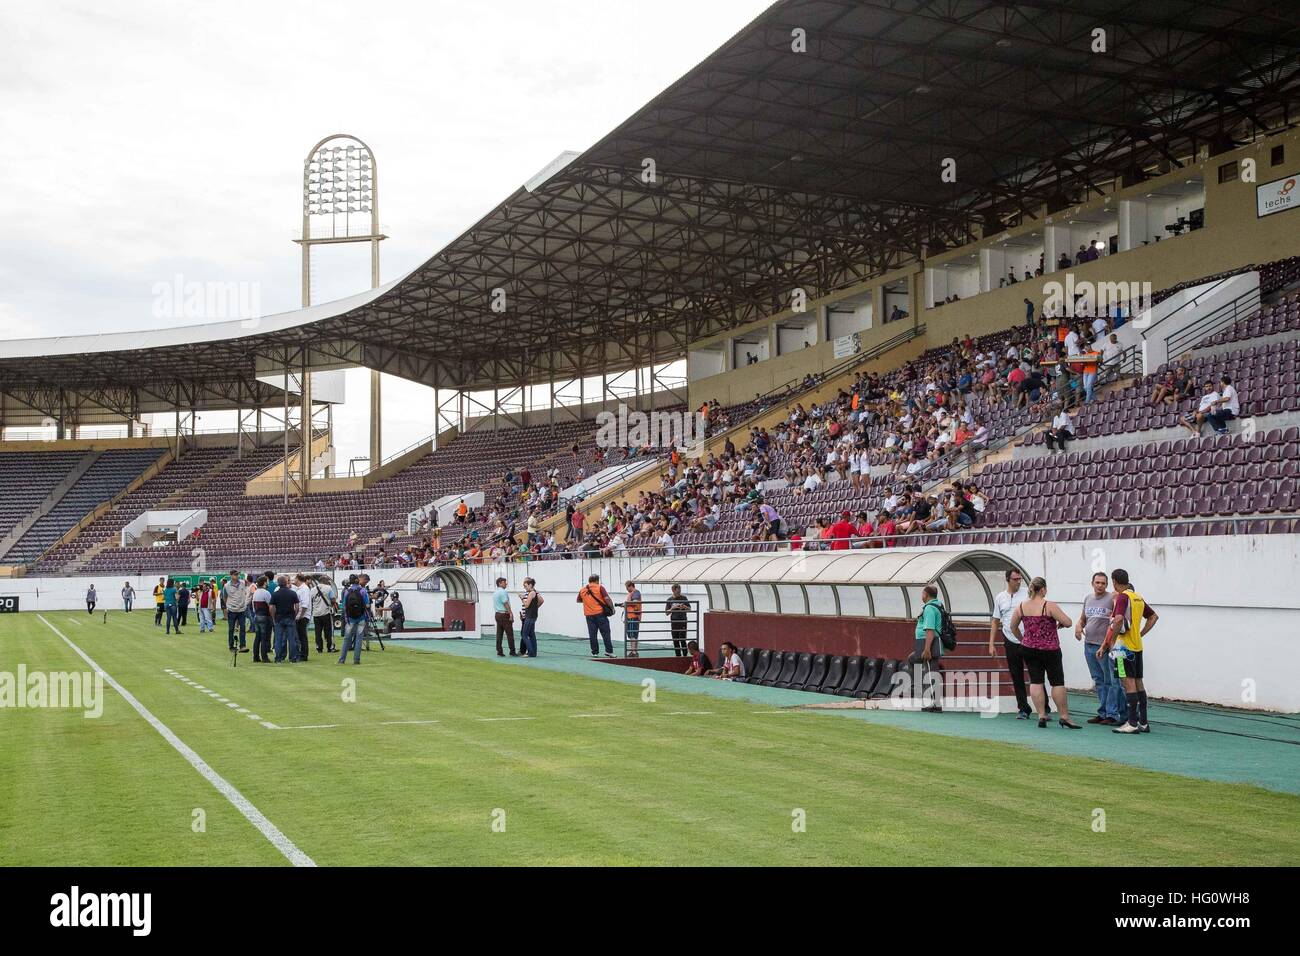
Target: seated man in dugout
(700,664)
(729,663)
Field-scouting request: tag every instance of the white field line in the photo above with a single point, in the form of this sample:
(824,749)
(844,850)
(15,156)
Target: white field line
(241,803)
(221,700)
(377,723)
(308,727)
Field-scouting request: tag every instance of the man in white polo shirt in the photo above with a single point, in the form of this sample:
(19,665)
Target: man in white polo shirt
(1072,345)
(1004,603)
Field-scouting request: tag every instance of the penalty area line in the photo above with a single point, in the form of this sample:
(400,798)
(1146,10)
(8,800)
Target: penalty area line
(241,803)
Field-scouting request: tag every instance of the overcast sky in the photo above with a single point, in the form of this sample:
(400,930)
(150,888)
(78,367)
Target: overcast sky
(153,139)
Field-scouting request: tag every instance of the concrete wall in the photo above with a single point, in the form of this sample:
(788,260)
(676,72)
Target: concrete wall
(1229,611)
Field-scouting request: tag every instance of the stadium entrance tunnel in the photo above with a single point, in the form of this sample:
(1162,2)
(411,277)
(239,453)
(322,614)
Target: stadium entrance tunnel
(859,605)
(441,593)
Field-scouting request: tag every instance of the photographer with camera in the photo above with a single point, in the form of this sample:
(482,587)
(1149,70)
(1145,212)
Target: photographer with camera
(396,613)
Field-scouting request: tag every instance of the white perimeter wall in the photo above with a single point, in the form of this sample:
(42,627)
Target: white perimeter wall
(1229,606)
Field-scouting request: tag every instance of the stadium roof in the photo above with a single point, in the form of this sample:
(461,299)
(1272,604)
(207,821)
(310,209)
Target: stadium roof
(774,170)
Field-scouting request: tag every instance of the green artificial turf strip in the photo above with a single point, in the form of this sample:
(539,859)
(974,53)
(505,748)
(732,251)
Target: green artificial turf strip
(641,786)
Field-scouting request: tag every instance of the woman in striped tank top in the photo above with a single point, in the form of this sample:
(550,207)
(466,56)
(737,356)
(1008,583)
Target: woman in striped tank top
(1035,622)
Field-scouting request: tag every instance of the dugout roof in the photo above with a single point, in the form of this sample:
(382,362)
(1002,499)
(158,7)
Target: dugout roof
(871,582)
(774,169)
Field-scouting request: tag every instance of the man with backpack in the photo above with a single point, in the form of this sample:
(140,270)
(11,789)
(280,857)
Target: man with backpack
(934,633)
(356,602)
(597,608)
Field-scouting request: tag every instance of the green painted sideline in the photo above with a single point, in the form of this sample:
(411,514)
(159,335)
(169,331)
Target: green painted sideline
(1192,740)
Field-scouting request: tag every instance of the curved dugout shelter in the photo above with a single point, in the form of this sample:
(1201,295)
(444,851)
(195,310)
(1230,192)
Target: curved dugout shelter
(442,593)
(855,602)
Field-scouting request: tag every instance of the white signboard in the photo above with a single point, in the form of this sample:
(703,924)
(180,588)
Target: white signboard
(847,345)
(1277,196)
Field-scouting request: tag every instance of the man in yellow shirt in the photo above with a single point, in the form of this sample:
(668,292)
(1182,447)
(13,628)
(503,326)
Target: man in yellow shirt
(1129,623)
(158,595)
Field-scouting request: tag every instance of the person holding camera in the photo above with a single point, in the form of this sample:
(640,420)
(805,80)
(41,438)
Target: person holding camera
(631,619)
(396,613)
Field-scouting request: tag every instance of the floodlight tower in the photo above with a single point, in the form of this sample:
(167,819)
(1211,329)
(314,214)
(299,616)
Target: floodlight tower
(340,180)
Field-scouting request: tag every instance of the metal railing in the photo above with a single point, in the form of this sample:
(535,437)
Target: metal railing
(826,375)
(661,630)
(625,470)
(1001,534)
(426,440)
(107,433)
(292,462)
(1244,306)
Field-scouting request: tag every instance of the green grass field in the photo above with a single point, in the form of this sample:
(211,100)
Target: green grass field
(417,769)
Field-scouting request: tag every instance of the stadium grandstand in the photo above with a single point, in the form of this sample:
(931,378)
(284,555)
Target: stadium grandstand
(956,294)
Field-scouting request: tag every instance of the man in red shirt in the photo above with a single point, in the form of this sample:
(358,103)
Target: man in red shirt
(841,531)
(865,529)
(1016,377)
(884,530)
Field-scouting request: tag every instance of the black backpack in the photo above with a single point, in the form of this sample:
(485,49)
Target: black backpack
(353,605)
(947,629)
